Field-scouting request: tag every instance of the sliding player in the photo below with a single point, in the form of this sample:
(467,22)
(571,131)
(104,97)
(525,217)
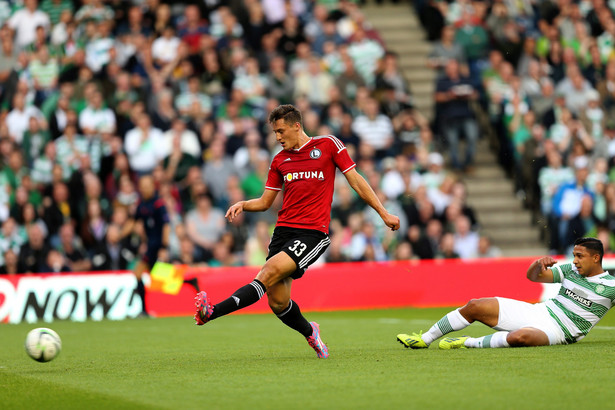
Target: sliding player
(305,168)
(586,294)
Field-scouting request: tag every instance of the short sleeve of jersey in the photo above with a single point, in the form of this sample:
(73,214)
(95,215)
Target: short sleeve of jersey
(274,178)
(561,271)
(341,158)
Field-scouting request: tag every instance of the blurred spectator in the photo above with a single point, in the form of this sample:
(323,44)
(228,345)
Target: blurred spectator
(34,141)
(486,249)
(592,116)
(192,27)
(390,78)
(113,253)
(193,104)
(222,256)
(95,118)
(567,203)
(152,225)
(365,246)
(94,10)
(144,146)
(177,161)
(314,83)
(466,241)
(94,225)
(25,21)
(187,254)
(453,96)
(279,84)
(8,63)
(446,49)
(365,53)
(55,263)
(70,149)
(57,209)
(447,247)
(374,129)
(474,40)
(205,225)
(71,247)
(12,237)
(11,263)
(217,170)
(18,119)
(33,254)
(56,8)
(257,245)
(188,140)
(575,88)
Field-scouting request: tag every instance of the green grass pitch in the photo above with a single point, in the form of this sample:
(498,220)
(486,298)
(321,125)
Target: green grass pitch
(254,362)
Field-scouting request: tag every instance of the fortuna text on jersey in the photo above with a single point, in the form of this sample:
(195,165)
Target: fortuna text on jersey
(292,176)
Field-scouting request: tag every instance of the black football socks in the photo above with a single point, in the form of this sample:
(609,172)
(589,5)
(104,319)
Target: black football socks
(141,293)
(292,317)
(244,296)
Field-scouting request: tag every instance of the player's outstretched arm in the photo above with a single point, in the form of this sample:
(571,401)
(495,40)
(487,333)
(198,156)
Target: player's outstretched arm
(253,205)
(360,185)
(540,270)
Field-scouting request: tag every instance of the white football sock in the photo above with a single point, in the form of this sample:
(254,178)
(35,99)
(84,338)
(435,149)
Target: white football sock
(497,339)
(449,323)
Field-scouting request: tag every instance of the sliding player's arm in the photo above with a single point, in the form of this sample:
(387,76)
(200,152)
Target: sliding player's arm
(253,205)
(540,270)
(360,185)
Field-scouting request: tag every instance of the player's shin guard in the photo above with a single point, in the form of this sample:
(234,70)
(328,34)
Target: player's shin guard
(244,296)
(449,323)
(497,339)
(292,317)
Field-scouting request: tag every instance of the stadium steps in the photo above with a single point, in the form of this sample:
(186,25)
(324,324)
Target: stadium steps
(500,213)
(402,33)
(490,191)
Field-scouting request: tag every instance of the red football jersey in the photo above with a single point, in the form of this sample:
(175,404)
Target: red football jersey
(308,177)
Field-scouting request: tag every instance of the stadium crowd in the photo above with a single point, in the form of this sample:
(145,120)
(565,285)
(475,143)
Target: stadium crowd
(99,96)
(546,75)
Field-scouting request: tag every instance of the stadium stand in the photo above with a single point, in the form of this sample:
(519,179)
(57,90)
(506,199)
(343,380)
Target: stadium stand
(95,94)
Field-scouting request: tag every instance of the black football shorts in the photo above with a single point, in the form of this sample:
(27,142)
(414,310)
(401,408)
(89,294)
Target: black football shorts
(304,246)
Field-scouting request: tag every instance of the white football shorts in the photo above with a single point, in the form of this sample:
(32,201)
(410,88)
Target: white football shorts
(515,315)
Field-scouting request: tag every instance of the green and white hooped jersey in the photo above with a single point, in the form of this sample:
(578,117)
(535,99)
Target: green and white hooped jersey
(581,301)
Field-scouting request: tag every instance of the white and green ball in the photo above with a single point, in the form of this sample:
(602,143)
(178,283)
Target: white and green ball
(43,344)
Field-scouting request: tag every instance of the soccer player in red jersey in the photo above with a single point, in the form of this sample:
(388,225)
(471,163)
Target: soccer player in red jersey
(306,170)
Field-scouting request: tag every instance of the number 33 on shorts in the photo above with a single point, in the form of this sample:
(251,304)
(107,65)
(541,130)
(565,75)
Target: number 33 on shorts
(297,248)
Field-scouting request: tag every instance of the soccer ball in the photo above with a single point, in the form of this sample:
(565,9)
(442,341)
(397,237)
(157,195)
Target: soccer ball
(43,344)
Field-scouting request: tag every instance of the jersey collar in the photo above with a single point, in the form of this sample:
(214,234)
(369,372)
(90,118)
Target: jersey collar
(599,276)
(299,149)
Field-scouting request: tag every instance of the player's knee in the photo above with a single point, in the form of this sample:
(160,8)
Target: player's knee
(527,337)
(269,275)
(473,308)
(520,338)
(277,306)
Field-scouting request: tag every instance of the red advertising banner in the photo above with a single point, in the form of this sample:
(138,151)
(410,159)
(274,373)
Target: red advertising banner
(338,286)
(344,286)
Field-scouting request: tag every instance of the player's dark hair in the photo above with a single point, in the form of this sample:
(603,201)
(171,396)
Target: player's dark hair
(289,113)
(592,244)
